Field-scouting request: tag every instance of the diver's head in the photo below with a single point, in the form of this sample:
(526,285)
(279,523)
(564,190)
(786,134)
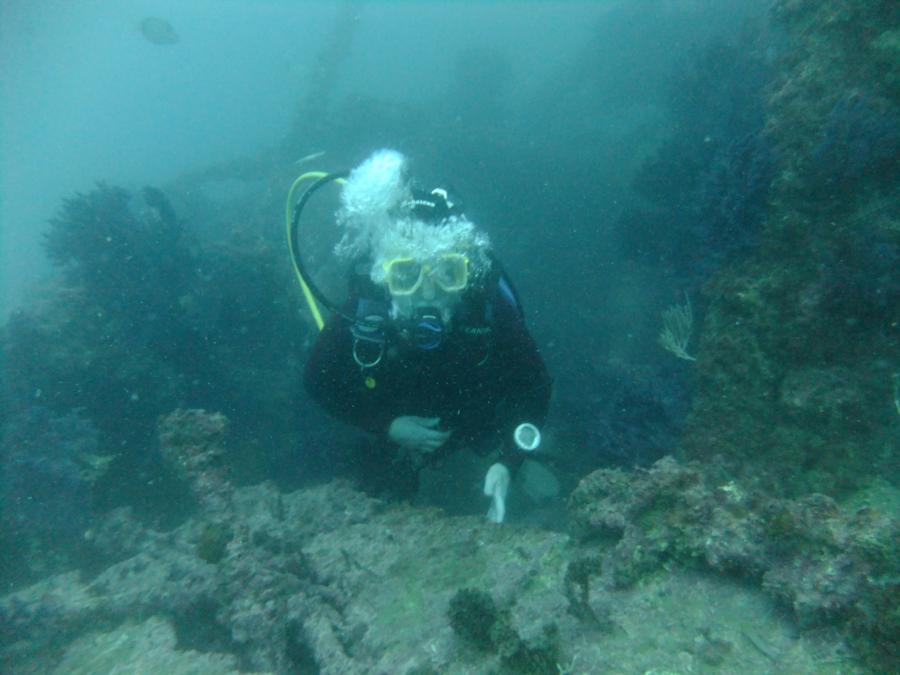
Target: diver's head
(427,289)
(423,249)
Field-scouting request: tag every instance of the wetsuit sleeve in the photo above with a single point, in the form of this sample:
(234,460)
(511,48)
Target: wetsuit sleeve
(333,380)
(526,381)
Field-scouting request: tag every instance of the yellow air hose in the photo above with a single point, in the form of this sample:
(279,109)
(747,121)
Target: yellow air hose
(310,300)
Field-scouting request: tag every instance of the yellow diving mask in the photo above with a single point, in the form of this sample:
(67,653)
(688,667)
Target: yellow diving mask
(448,271)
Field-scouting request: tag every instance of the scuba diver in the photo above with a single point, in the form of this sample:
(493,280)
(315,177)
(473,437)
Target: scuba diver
(430,354)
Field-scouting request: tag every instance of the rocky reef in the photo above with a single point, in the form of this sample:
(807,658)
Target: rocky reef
(327,580)
(830,566)
(795,420)
(800,342)
(144,316)
(769,544)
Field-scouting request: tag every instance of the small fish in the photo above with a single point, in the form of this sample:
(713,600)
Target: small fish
(158,31)
(308,158)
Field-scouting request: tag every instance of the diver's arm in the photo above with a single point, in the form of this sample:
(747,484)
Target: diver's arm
(525,397)
(526,382)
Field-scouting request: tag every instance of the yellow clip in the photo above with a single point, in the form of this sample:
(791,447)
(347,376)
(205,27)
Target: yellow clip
(370,382)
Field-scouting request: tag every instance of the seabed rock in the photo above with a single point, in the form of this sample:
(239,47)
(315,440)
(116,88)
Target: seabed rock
(326,580)
(148,647)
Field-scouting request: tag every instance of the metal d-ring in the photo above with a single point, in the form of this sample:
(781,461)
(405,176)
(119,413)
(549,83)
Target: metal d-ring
(358,359)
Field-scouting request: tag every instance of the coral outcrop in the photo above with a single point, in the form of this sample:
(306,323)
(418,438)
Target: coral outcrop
(830,565)
(799,343)
(327,580)
(192,443)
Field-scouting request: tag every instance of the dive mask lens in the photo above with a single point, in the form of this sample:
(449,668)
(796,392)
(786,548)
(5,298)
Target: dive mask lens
(404,276)
(451,272)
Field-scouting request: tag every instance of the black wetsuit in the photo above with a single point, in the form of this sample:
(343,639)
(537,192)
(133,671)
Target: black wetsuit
(486,378)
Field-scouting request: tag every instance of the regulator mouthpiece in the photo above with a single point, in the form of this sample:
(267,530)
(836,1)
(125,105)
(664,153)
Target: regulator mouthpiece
(527,437)
(428,329)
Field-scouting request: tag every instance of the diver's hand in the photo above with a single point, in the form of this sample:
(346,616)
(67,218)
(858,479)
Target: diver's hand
(496,486)
(417,434)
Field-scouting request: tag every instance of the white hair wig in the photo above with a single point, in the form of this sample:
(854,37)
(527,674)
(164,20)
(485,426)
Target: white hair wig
(376,216)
